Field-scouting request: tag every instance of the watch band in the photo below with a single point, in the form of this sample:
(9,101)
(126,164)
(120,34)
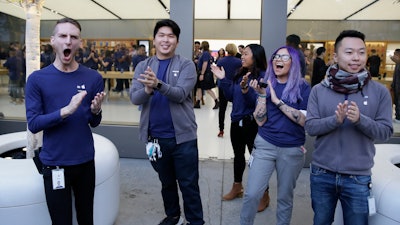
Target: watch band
(159,84)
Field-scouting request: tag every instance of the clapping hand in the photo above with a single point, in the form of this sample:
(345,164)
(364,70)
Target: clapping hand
(219,72)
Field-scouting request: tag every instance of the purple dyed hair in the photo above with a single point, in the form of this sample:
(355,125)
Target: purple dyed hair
(291,93)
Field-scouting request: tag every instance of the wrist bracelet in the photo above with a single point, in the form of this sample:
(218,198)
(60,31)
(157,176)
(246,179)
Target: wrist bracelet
(281,103)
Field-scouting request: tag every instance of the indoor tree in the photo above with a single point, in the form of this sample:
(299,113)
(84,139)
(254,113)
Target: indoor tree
(33,11)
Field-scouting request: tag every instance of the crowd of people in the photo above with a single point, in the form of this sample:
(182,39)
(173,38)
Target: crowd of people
(119,58)
(15,63)
(273,107)
(342,102)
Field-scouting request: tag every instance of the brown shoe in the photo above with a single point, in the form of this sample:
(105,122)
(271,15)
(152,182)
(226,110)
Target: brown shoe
(264,202)
(19,101)
(221,133)
(197,105)
(236,192)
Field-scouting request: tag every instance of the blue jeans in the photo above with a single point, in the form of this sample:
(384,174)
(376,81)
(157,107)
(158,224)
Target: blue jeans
(328,187)
(180,162)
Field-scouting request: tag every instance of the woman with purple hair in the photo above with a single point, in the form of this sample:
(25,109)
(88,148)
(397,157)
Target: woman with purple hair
(280,115)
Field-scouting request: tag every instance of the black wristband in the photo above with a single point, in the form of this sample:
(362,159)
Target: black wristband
(281,103)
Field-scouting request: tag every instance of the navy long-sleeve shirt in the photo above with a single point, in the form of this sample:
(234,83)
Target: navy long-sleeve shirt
(66,141)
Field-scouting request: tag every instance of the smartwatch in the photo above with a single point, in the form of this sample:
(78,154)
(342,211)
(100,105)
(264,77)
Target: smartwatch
(159,84)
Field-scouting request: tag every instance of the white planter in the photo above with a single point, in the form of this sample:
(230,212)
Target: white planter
(385,187)
(22,198)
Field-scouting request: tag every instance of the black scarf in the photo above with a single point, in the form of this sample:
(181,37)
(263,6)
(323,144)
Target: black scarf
(344,82)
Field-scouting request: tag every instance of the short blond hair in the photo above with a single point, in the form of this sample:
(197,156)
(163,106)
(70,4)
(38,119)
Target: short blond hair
(231,49)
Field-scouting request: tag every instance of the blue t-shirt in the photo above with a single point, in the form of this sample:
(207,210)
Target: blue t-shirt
(160,120)
(231,65)
(242,104)
(110,63)
(91,63)
(279,130)
(137,58)
(205,57)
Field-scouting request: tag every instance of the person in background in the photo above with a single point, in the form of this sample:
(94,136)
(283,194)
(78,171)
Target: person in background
(140,56)
(152,51)
(47,57)
(15,65)
(133,50)
(206,77)
(231,65)
(162,84)
(79,56)
(221,54)
(374,63)
(243,125)
(196,57)
(308,56)
(196,52)
(281,136)
(293,41)
(346,112)
(396,84)
(22,81)
(91,58)
(122,64)
(3,53)
(240,51)
(319,67)
(106,63)
(64,100)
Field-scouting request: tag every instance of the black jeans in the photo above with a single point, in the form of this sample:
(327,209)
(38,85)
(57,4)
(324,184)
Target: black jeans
(81,180)
(222,109)
(242,135)
(396,101)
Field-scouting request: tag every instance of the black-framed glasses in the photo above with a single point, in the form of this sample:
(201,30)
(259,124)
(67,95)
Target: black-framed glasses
(283,57)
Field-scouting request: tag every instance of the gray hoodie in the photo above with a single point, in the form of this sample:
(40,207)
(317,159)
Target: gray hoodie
(181,78)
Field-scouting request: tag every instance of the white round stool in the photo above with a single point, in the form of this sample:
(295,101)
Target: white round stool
(22,197)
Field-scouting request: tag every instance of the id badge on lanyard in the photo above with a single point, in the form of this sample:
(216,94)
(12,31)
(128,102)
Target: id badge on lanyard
(58,178)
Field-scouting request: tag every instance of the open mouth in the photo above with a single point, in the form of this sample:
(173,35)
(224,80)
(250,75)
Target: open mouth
(67,52)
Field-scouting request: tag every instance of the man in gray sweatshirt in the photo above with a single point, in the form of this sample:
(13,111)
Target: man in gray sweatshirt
(163,84)
(346,112)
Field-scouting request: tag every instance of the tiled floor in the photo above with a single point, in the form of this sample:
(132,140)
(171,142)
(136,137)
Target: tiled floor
(141,202)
